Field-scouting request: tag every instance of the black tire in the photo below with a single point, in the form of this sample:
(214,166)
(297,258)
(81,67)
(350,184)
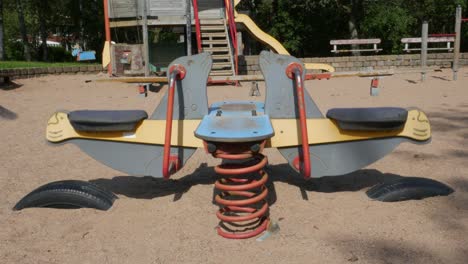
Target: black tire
(408,189)
(69,195)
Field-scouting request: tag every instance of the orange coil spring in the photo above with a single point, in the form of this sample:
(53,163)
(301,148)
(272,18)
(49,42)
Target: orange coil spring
(244,209)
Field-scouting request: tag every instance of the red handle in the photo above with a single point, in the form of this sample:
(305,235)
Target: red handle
(294,72)
(176,72)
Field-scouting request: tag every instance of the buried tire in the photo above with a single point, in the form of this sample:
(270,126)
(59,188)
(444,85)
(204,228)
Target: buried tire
(408,189)
(68,195)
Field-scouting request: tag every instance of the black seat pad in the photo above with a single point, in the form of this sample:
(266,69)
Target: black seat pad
(369,119)
(106,121)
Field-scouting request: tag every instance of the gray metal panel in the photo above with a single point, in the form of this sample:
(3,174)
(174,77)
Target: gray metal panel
(343,158)
(125,8)
(167,11)
(211,8)
(166,7)
(280,93)
(191,100)
(147,160)
(133,159)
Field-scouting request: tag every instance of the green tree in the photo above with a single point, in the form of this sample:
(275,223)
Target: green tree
(390,22)
(22,26)
(2,33)
(42,7)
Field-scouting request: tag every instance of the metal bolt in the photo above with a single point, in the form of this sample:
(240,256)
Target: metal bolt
(211,147)
(255,148)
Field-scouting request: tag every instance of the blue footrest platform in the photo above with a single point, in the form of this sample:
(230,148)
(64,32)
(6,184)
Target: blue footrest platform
(235,122)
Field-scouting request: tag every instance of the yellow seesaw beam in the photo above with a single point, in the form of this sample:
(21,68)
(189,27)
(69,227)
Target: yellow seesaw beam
(287,132)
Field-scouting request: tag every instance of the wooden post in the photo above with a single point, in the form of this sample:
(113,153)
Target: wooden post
(456,52)
(188,29)
(108,33)
(425,34)
(145,38)
(240,44)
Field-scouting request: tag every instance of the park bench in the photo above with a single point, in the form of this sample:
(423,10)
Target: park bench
(359,42)
(435,39)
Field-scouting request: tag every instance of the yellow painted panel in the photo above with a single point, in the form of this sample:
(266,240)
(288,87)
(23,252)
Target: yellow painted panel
(319,66)
(148,132)
(106,56)
(321,131)
(287,132)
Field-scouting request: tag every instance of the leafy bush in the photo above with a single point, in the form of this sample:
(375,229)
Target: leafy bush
(57,54)
(14,50)
(389,23)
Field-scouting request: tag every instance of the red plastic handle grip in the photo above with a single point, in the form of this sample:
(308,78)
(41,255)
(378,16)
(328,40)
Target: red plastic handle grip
(176,72)
(294,72)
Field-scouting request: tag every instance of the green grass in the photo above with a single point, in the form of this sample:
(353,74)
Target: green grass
(38,64)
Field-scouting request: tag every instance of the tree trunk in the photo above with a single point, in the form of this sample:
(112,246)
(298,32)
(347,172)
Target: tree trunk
(24,35)
(2,43)
(81,25)
(353,34)
(352,26)
(43,28)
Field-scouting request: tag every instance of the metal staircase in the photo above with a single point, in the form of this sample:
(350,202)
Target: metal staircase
(215,40)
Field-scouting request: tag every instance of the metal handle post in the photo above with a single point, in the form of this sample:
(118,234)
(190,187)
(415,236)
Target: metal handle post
(176,72)
(294,71)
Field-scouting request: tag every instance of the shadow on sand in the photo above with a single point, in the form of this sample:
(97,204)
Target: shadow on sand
(150,188)
(449,215)
(7,114)
(353,248)
(9,85)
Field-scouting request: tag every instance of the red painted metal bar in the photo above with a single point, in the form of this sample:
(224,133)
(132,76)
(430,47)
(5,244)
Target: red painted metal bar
(294,71)
(197,25)
(108,32)
(230,17)
(318,76)
(464,19)
(442,35)
(236,46)
(233,31)
(177,72)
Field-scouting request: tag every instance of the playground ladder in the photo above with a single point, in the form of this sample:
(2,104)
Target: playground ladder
(215,40)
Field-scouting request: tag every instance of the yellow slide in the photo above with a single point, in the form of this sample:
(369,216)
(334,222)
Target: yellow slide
(106,55)
(260,34)
(273,43)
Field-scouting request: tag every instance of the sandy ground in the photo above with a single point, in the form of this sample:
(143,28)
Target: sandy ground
(328,220)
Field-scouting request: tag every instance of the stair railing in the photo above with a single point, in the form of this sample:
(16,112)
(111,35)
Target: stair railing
(197,25)
(233,30)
